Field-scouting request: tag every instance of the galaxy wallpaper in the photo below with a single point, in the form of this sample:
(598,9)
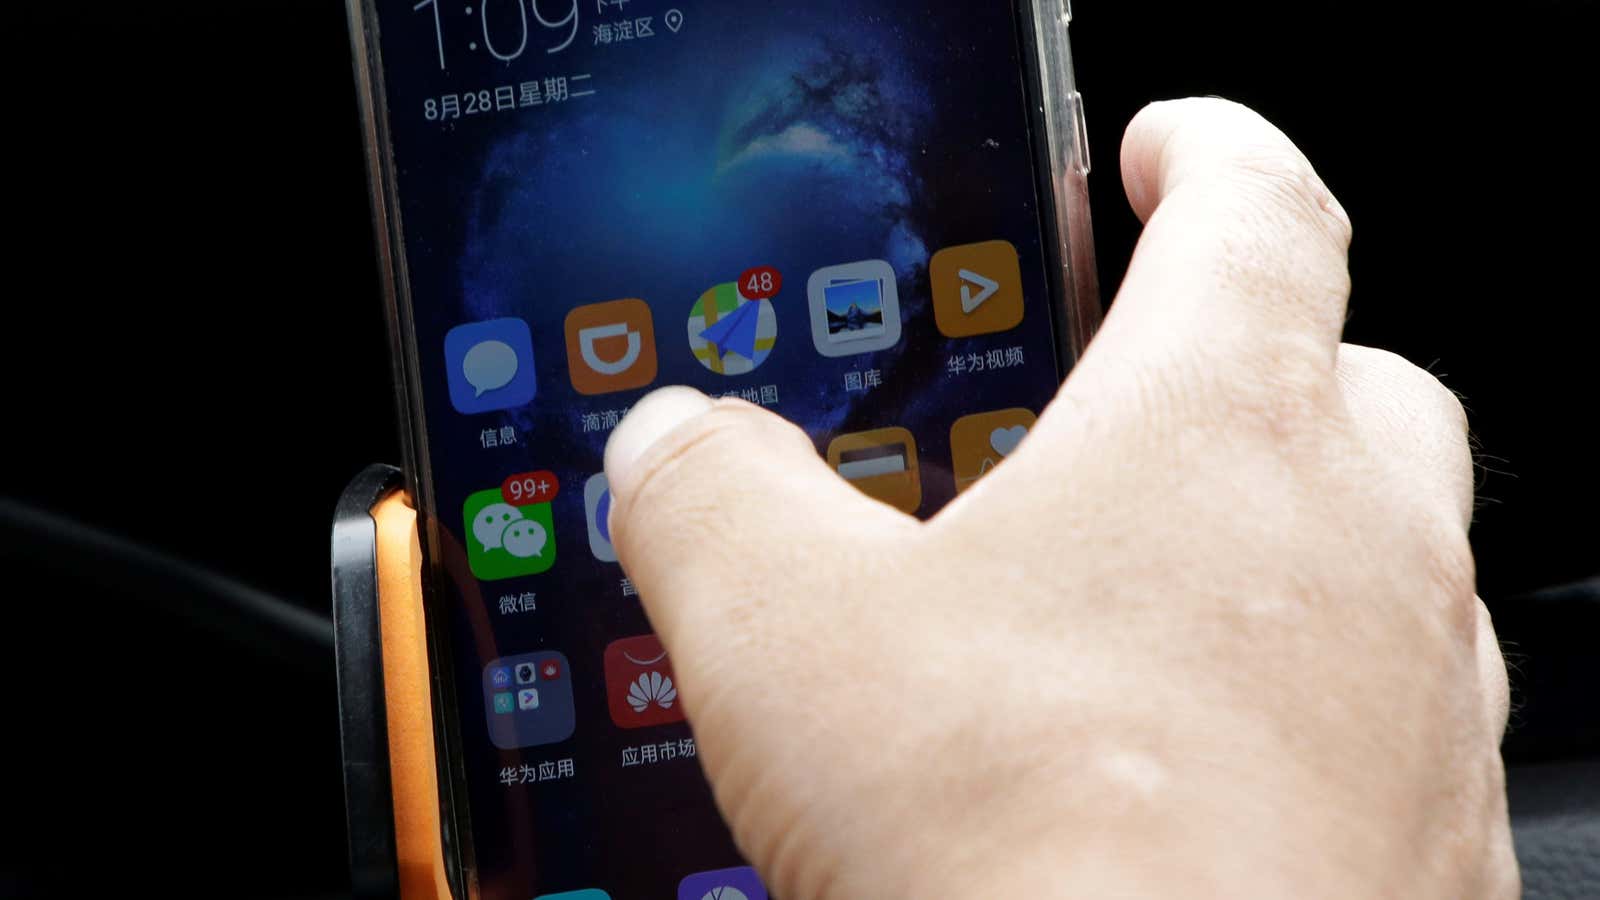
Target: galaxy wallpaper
(688,143)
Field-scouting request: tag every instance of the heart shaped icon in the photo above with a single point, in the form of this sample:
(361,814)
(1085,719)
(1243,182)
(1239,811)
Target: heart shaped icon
(1005,440)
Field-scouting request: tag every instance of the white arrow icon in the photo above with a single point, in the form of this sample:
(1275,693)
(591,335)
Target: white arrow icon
(971,301)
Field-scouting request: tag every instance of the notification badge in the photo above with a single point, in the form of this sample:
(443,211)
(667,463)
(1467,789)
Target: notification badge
(640,689)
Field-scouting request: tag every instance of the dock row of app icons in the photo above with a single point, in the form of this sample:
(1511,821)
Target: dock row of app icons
(733,327)
(739,883)
(510,530)
(528,698)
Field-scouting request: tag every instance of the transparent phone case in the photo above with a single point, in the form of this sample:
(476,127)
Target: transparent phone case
(1066,161)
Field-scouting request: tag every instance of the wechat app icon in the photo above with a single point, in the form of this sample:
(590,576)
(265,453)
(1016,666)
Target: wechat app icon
(506,541)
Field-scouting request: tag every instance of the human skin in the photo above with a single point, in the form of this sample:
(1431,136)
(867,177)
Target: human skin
(1210,632)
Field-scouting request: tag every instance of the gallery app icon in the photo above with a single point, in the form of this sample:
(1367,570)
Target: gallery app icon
(489,365)
(539,713)
(724,884)
(506,541)
(611,346)
(855,308)
(730,333)
(977,289)
(597,510)
(882,463)
(978,443)
(639,685)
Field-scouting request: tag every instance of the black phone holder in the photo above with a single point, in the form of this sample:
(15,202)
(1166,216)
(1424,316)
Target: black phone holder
(391,775)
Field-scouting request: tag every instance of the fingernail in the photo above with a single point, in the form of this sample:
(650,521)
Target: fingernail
(650,420)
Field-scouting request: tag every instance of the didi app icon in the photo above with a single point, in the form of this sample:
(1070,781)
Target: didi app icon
(508,537)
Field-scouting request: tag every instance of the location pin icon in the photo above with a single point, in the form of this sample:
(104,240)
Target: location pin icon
(674,20)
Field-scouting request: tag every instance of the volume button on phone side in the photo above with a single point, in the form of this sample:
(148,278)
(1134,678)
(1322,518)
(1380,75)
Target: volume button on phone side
(1080,134)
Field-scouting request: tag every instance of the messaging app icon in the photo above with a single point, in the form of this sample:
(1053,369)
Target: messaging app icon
(506,541)
(611,346)
(489,365)
(730,333)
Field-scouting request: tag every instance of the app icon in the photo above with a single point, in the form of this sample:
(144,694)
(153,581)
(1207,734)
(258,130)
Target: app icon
(977,289)
(639,685)
(731,333)
(489,365)
(501,677)
(597,509)
(723,884)
(978,443)
(527,674)
(882,463)
(855,308)
(588,894)
(533,715)
(611,346)
(505,541)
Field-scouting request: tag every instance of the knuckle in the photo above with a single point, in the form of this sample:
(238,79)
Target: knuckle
(1279,179)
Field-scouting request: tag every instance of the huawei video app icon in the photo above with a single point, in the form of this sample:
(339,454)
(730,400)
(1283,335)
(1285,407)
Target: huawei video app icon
(611,347)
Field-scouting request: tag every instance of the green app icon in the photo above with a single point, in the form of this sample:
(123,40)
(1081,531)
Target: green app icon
(504,703)
(505,541)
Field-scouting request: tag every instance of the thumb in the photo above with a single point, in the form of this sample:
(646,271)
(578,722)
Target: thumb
(715,502)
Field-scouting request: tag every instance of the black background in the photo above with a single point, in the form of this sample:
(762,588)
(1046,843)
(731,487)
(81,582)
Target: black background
(194,355)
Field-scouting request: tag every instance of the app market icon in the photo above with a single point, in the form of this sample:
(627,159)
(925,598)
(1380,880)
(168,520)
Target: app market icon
(729,333)
(506,541)
(489,366)
(979,442)
(639,686)
(855,308)
(540,713)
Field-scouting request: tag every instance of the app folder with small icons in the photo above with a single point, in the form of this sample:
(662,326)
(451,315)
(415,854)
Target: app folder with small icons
(528,700)
(882,463)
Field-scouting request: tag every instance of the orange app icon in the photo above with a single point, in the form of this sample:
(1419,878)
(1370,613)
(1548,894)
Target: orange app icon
(882,463)
(611,346)
(977,289)
(978,443)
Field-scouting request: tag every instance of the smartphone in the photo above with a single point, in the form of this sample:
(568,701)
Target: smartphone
(868,216)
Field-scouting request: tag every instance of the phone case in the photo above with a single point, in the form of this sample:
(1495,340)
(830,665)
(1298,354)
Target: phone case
(395,740)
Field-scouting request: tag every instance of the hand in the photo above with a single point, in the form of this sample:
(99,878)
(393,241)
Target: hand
(1211,631)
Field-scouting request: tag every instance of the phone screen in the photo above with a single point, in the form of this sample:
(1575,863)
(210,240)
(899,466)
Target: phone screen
(829,209)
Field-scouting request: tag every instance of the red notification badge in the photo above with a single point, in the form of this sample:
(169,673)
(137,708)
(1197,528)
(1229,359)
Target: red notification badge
(760,283)
(529,488)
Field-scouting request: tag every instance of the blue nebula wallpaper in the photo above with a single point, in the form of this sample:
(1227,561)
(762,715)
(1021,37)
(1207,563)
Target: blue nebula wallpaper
(557,155)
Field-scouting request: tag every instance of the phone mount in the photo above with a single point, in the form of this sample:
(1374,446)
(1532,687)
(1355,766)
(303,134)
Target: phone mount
(391,773)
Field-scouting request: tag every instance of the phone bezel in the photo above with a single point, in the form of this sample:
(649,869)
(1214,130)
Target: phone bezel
(1055,130)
